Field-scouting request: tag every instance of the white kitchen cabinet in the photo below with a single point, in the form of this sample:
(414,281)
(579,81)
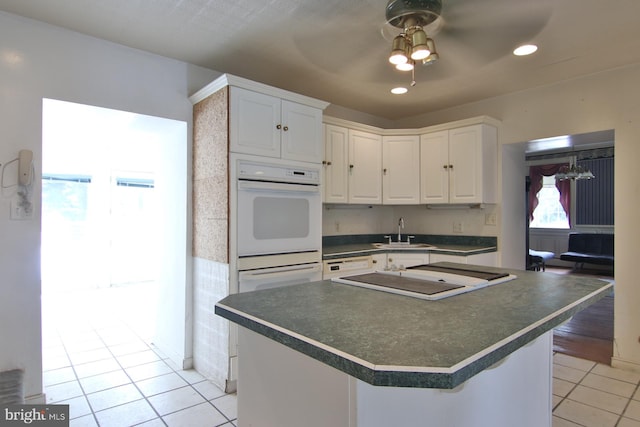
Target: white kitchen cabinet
(365,167)
(403,260)
(459,165)
(379,261)
(489,259)
(401,170)
(336,161)
(266,125)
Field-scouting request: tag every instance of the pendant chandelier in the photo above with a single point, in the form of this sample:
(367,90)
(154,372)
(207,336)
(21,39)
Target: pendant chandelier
(573,172)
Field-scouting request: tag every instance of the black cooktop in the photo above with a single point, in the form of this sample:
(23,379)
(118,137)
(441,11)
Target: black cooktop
(486,275)
(419,286)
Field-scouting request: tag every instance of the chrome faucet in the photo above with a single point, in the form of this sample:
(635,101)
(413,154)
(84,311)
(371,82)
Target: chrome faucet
(400,227)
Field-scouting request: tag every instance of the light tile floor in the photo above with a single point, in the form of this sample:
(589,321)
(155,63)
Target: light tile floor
(590,394)
(99,358)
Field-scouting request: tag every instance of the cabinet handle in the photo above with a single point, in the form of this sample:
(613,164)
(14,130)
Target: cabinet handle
(278,127)
(445,167)
(328,163)
(450,166)
(384,171)
(350,166)
(286,128)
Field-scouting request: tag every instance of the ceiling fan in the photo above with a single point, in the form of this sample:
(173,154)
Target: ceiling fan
(411,24)
(342,38)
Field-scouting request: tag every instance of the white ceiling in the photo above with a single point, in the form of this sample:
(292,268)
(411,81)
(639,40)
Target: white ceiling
(334,50)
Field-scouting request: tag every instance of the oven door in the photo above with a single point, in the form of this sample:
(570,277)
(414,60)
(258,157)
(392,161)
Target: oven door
(276,277)
(278,218)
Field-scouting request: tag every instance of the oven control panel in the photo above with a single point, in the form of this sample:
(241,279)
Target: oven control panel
(278,173)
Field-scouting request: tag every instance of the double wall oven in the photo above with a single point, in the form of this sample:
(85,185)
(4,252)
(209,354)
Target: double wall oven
(278,222)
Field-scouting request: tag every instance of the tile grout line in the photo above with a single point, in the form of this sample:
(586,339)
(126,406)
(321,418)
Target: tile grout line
(628,403)
(73,368)
(128,376)
(590,371)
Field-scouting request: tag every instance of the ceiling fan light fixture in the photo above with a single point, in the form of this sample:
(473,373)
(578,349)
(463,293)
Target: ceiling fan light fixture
(399,50)
(525,49)
(407,66)
(399,90)
(419,47)
(433,56)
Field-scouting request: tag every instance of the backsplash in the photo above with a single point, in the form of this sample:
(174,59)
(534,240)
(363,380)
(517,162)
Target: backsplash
(364,219)
(438,239)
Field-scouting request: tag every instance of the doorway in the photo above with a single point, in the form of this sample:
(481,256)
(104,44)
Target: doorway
(113,212)
(563,206)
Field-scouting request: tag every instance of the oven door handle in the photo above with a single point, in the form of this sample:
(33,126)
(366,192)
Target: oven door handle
(276,186)
(259,275)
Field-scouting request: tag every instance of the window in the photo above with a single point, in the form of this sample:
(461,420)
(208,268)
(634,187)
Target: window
(549,213)
(572,203)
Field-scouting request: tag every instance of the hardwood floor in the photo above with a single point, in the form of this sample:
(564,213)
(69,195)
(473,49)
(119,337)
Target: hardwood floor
(589,334)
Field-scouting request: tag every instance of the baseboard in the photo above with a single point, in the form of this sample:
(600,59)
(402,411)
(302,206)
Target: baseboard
(625,364)
(36,399)
(231,386)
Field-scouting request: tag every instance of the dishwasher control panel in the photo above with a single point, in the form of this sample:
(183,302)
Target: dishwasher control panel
(343,266)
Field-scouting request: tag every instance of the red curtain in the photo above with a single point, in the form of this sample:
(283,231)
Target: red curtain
(564,187)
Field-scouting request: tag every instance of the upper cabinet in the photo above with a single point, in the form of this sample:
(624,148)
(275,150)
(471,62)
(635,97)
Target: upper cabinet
(401,170)
(452,163)
(336,161)
(459,165)
(265,125)
(352,166)
(364,168)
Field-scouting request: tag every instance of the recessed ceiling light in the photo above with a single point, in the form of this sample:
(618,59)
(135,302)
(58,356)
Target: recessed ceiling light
(399,90)
(525,49)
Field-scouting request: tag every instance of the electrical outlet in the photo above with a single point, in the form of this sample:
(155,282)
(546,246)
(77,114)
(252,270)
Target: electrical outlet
(490,219)
(457,227)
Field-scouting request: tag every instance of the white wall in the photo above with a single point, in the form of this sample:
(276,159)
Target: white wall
(608,100)
(380,219)
(41,61)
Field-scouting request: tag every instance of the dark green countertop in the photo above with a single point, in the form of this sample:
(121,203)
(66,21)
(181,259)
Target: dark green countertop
(335,247)
(358,249)
(392,340)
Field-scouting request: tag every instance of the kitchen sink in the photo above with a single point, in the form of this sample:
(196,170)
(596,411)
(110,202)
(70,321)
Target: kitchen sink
(402,245)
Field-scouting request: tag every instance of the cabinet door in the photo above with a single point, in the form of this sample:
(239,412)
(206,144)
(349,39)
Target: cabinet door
(401,170)
(434,167)
(488,259)
(301,132)
(460,259)
(336,166)
(254,121)
(404,260)
(465,159)
(365,167)
(379,261)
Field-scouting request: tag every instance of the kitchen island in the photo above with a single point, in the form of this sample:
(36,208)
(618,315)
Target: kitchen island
(326,353)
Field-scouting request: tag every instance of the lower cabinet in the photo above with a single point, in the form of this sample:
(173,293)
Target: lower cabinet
(379,261)
(489,259)
(402,260)
(283,387)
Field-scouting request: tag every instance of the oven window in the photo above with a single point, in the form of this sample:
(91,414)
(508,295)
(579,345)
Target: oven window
(280,218)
